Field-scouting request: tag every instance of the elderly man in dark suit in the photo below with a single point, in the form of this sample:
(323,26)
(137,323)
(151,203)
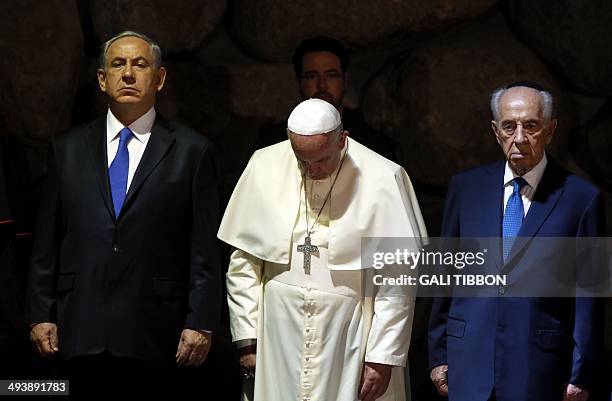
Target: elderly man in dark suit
(124,273)
(503,347)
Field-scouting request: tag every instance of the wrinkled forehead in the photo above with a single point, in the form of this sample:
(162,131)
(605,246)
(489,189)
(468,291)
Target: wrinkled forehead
(130,47)
(312,147)
(521,100)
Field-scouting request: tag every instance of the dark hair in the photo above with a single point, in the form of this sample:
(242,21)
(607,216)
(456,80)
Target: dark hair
(319,44)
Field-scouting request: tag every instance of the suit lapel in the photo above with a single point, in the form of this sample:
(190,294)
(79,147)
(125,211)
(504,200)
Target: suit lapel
(162,138)
(544,200)
(493,196)
(96,143)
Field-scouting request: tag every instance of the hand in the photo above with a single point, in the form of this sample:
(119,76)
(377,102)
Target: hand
(44,337)
(193,348)
(374,380)
(575,393)
(439,377)
(248,358)
(247,363)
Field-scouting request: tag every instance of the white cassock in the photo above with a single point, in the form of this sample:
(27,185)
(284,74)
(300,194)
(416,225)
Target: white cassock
(315,328)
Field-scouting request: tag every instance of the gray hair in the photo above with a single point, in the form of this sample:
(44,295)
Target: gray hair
(155,49)
(547,103)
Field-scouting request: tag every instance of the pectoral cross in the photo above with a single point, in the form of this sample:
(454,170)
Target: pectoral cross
(308,249)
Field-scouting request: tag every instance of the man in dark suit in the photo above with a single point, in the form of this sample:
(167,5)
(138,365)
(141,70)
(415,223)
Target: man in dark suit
(507,348)
(321,71)
(124,272)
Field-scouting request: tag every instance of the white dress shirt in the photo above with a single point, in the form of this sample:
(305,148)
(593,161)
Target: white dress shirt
(136,146)
(532,177)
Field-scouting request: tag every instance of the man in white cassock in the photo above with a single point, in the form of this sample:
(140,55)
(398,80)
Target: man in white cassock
(296,290)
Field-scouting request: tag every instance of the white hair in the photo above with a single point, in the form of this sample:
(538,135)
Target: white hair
(547,102)
(157,53)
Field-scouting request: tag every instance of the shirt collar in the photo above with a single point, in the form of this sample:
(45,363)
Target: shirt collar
(532,177)
(141,127)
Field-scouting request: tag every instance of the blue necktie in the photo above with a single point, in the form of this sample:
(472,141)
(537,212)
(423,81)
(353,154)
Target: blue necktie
(118,170)
(513,216)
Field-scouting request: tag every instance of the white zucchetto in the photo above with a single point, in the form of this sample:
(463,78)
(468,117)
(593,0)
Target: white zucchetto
(313,117)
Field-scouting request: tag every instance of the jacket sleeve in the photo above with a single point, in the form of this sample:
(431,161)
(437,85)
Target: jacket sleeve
(441,304)
(589,312)
(205,281)
(42,276)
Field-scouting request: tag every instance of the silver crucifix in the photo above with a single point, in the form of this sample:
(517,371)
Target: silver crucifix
(308,249)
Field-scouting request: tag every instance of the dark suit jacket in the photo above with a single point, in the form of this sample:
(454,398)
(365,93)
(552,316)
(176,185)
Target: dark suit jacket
(522,348)
(130,283)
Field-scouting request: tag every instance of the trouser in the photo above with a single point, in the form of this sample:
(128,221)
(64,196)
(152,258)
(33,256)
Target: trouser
(108,377)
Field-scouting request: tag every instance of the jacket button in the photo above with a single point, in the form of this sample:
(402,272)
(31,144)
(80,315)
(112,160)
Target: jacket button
(116,248)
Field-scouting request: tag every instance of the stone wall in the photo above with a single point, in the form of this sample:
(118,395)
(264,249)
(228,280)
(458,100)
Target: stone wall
(421,71)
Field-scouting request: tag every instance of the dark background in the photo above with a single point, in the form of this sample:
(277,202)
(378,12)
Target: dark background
(421,72)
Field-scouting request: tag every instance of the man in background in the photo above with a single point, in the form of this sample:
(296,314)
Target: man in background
(321,71)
